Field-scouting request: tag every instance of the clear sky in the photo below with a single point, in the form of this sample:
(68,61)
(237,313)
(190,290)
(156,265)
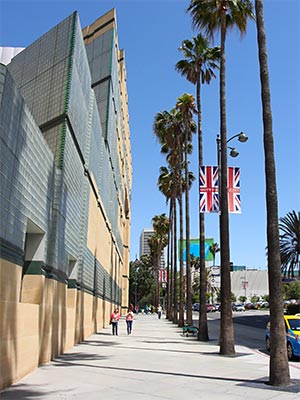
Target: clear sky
(151,31)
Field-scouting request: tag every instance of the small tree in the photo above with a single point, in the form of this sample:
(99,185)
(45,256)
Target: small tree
(265,297)
(295,290)
(141,280)
(254,298)
(285,292)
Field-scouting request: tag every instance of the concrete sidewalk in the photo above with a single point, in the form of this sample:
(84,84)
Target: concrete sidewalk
(155,362)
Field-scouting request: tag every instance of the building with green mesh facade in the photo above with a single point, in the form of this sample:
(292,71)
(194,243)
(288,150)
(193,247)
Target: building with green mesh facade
(65,192)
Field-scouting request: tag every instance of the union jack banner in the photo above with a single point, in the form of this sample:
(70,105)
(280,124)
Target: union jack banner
(209,196)
(233,184)
(163,275)
(209,199)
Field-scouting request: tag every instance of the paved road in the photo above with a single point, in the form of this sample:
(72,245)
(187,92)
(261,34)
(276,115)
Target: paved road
(249,329)
(156,362)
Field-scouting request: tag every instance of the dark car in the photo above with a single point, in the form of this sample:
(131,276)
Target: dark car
(251,306)
(196,307)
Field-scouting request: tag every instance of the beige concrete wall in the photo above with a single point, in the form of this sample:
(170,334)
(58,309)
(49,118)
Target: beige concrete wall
(99,237)
(48,321)
(19,345)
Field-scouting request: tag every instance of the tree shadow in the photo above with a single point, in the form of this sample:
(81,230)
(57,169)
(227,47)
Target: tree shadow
(98,343)
(67,359)
(23,392)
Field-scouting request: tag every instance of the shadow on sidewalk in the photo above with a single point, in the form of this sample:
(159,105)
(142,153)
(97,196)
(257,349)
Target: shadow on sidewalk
(23,392)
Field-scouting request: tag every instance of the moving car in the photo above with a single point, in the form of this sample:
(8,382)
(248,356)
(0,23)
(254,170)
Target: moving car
(292,327)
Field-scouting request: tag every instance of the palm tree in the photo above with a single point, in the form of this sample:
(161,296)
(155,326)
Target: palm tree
(168,129)
(157,243)
(196,262)
(213,16)
(198,67)
(214,249)
(186,105)
(169,184)
(166,183)
(290,244)
(279,367)
(191,178)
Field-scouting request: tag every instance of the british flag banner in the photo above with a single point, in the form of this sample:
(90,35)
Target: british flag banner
(209,196)
(233,185)
(209,199)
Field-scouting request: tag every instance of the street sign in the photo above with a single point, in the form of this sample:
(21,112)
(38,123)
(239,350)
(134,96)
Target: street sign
(215,281)
(215,270)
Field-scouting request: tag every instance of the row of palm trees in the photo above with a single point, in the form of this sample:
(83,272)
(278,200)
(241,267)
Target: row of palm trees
(174,131)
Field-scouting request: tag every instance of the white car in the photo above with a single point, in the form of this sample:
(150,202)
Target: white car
(238,307)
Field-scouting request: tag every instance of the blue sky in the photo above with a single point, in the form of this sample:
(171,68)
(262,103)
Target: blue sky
(151,31)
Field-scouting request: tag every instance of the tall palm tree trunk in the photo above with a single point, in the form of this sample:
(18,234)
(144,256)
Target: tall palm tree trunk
(202,325)
(171,280)
(175,290)
(189,315)
(279,367)
(156,269)
(181,297)
(226,328)
(168,262)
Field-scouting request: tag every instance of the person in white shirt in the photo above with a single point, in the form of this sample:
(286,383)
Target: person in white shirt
(159,311)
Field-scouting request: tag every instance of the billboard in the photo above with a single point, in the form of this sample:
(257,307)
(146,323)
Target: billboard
(195,248)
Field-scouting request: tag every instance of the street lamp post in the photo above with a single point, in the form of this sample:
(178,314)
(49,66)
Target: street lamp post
(242,137)
(224,224)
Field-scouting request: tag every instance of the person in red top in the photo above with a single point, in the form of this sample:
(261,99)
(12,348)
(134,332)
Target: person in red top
(129,320)
(114,319)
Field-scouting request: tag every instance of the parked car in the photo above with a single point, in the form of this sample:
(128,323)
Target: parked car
(238,307)
(251,306)
(263,304)
(218,306)
(292,326)
(196,306)
(210,308)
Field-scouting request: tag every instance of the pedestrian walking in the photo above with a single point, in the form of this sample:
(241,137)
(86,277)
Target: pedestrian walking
(114,320)
(159,311)
(129,321)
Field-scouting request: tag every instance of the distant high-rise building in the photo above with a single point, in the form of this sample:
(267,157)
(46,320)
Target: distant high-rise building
(144,245)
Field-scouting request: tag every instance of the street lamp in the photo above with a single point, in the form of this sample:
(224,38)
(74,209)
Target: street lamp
(222,146)
(242,137)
